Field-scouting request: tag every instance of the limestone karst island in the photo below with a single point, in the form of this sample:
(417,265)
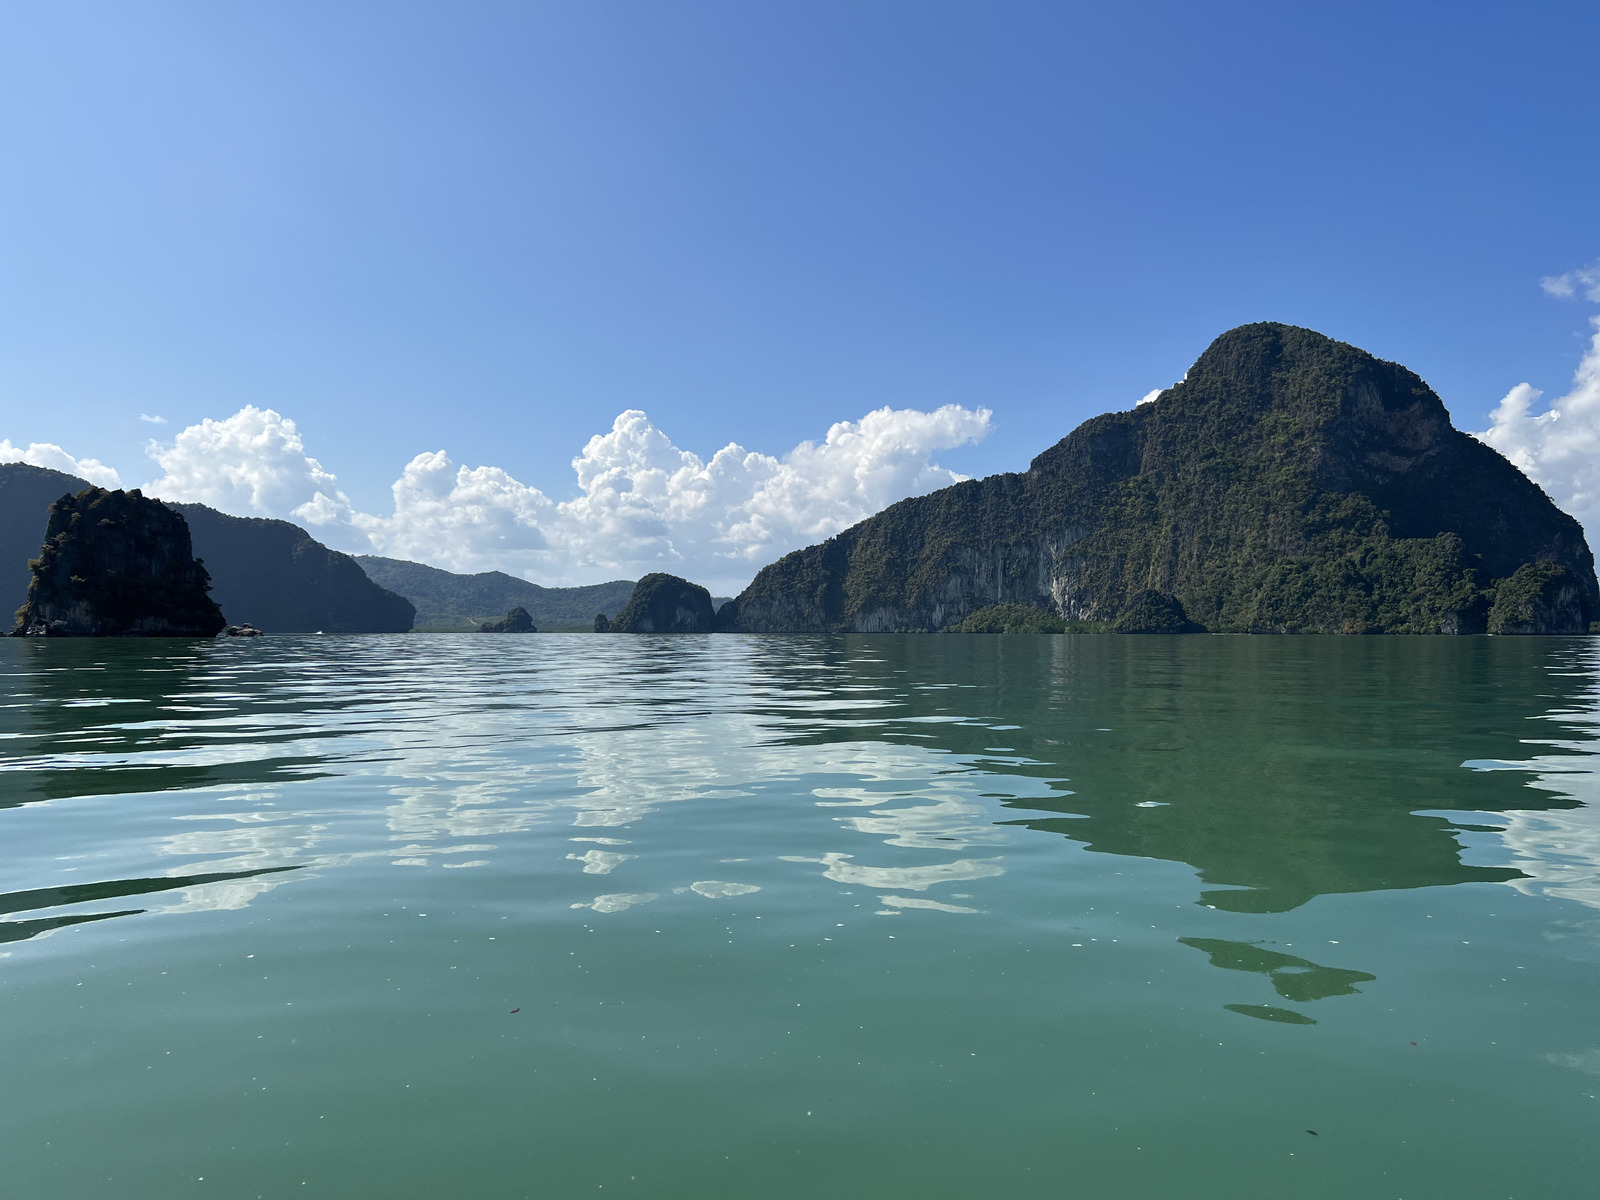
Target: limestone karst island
(799,601)
(1289,484)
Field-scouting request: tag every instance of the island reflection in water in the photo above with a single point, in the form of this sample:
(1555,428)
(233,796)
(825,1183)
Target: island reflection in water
(1279,769)
(920,915)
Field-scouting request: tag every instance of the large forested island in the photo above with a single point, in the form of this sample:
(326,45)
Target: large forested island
(1290,483)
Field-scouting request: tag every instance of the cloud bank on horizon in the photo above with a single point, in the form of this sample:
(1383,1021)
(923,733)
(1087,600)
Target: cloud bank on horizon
(1559,448)
(643,504)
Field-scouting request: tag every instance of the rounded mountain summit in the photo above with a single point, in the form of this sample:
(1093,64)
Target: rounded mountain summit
(1291,483)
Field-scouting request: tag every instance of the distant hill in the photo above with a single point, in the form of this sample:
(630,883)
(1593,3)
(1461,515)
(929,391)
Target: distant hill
(446,601)
(279,578)
(1290,483)
(270,573)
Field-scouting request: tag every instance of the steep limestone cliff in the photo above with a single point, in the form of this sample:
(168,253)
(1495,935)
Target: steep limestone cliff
(1290,483)
(117,564)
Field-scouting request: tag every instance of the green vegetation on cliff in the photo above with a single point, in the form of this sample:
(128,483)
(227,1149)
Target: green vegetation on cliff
(663,603)
(1534,598)
(1290,483)
(1010,618)
(1153,612)
(1150,612)
(1021,618)
(117,564)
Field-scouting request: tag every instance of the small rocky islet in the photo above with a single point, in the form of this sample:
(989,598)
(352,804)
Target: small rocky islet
(663,603)
(518,620)
(117,564)
(1289,483)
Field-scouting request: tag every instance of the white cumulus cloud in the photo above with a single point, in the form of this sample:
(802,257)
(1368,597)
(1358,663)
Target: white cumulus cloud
(860,468)
(1559,447)
(1585,281)
(252,463)
(48,454)
(644,504)
(643,500)
(461,518)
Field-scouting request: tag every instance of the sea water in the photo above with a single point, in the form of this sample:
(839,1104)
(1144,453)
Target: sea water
(892,916)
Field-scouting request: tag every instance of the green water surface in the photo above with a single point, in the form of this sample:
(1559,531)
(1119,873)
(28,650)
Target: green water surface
(920,916)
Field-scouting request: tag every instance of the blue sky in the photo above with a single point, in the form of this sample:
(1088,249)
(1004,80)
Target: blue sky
(488,229)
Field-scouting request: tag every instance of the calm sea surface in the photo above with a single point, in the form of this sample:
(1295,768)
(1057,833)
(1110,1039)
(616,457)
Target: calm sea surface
(921,916)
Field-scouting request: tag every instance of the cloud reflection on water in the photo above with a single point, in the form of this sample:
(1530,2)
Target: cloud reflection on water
(599,862)
(1557,850)
(893,903)
(604,734)
(618,901)
(840,869)
(715,889)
